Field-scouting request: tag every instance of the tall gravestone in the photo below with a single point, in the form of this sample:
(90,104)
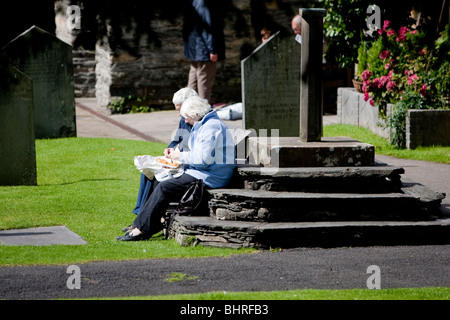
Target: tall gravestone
(48,62)
(306,147)
(271,87)
(17,146)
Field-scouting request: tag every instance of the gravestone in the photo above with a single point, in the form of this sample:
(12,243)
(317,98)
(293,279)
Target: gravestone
(306,147)
(48,62)
(17,146)
(271,87)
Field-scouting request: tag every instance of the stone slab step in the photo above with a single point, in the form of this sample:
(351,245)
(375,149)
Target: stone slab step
(257,205)
(291,152)
(209,231)
(376,179)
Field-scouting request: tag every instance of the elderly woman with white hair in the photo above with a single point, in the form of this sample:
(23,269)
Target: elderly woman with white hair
(211,158)
(178,142)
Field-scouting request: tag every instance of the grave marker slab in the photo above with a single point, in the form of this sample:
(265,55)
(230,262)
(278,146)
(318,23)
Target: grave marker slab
(48,62)
(271,86)
(17,146)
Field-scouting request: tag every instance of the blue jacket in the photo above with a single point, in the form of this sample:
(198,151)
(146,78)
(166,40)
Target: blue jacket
(203,33)
(182,135)
(212,155)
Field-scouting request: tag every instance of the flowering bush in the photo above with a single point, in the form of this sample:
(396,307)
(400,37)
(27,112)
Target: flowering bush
(401,64)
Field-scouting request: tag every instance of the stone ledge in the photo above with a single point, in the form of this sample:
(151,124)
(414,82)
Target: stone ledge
(271,206)
(291,152)
(236,234)
(376,179)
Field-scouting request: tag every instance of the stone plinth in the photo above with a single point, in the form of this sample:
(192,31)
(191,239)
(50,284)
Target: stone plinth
(291,152)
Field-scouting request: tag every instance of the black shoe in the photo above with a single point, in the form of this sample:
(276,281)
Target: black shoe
(129,228)
(130,237)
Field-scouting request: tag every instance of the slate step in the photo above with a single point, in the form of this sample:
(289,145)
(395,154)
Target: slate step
(209,231)
(376,179)
(271,206)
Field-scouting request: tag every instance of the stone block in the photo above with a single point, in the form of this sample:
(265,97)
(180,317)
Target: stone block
(291,152)
(427,128)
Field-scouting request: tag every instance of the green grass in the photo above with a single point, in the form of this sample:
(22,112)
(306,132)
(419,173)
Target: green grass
(90,186)
(430,293)
(435,153)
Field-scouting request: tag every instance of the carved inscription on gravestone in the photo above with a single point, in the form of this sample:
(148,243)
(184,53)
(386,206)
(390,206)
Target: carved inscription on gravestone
(271,87)
(48,62)
(17,146)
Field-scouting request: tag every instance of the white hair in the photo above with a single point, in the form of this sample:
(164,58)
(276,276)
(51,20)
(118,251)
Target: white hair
(194,106)
(181,95)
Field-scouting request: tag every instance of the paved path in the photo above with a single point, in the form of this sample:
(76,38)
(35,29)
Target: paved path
(313,268)
(337,268)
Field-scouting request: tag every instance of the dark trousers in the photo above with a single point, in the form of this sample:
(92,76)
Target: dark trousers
(171,190)
(144,191)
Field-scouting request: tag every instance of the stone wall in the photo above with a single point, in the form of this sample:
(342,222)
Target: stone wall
(427,128)
(423,127)
(158,72)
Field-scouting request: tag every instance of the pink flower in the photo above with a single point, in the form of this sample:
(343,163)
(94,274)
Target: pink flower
(380,31)
(385,54)
(423,90)
(366,96)
(391,32)
(423,51)
(407,72)
(366,75)
(412,78)
(383,81)
(390,86)
(387,66)
(402,32)
(413,32)
(376,83)
(366,86)
(372,103)
(386,24)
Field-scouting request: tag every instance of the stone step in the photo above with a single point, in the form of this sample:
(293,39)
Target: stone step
(209,231)
(376,179)
(270,206)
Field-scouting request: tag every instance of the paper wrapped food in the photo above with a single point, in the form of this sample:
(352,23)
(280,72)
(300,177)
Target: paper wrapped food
(160,168)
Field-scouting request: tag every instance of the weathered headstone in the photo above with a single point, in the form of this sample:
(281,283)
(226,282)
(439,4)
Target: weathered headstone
(306,147)
(271,87)
(48,62)
(17,146)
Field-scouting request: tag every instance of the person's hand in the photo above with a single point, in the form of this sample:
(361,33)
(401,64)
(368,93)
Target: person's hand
(213,57)
(175,154)
(167,152)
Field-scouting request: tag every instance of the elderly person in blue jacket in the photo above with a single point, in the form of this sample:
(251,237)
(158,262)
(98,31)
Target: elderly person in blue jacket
(204,45)
(178,142)
(211,158)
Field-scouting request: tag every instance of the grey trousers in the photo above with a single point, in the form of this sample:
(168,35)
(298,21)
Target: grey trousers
(201,78)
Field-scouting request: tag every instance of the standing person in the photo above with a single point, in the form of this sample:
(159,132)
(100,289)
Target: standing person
(210,158)
(182,132)
(204,45)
